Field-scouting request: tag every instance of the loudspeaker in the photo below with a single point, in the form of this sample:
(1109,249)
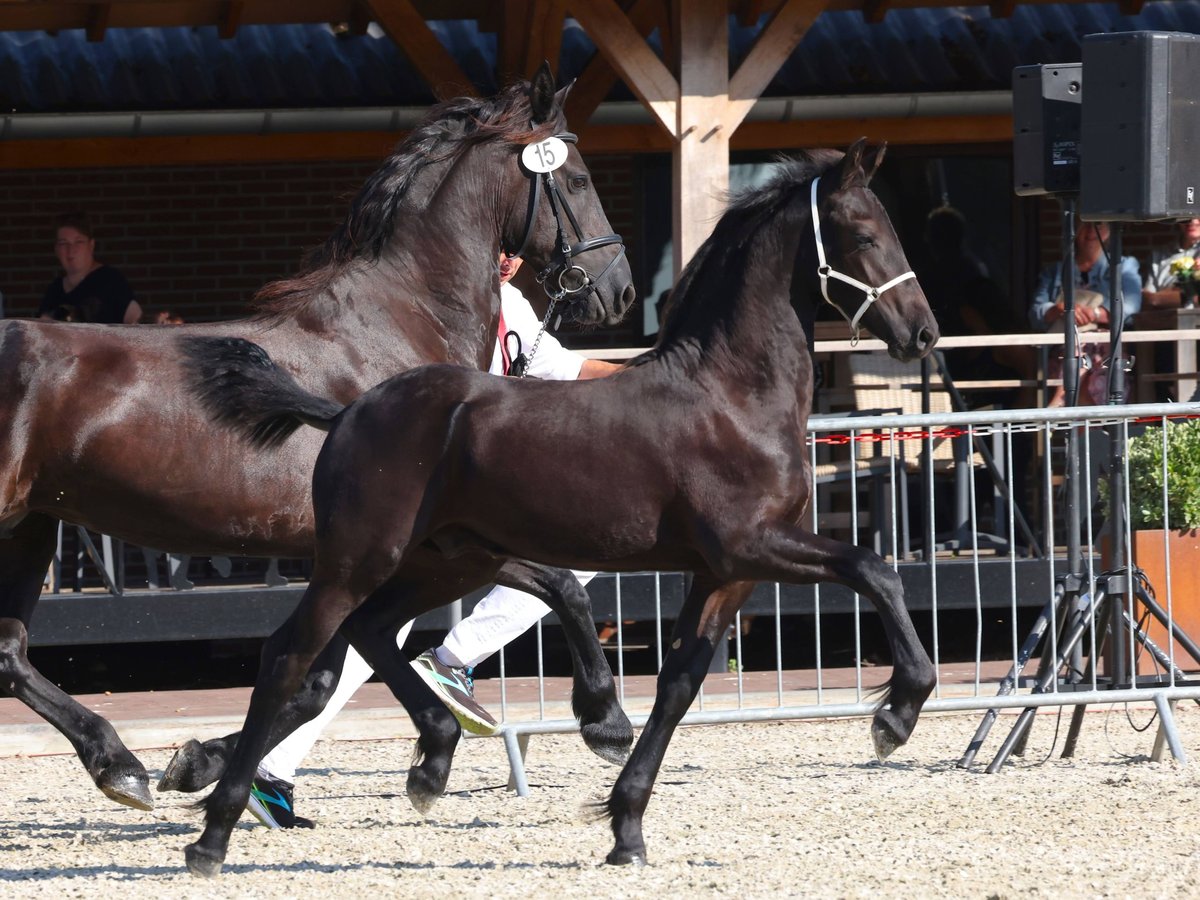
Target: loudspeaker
(1141,130)
(1047,104)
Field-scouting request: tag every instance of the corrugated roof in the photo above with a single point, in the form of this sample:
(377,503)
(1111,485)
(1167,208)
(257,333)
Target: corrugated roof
(304,66)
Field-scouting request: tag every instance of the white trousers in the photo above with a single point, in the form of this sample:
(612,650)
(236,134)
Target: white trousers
(501,616)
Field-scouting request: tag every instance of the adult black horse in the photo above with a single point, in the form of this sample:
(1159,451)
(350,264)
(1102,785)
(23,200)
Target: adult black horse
(96,425)
(693,457)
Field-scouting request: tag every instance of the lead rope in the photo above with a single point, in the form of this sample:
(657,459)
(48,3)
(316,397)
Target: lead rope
(537,340)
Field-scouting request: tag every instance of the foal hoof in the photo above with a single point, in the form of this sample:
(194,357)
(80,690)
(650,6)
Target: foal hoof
(635,858)
(201,862)
(885,741)
(611,746)
(180,771)
(128,785)
(421,794)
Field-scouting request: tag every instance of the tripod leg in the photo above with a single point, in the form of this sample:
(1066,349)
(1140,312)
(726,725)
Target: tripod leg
(1008,685)
(1025,720)
(1166,726)
(1161,614)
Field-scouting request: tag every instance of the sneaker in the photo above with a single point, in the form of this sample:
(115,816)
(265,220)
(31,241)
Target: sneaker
(271,803)
(456,689)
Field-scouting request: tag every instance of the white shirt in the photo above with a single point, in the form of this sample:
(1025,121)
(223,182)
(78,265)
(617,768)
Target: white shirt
(553,361)
(1160,277)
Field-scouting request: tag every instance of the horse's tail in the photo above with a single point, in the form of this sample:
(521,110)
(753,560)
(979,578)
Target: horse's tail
(240,386)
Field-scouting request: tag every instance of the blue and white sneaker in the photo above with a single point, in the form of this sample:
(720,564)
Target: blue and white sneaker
(271,803)
(455,688)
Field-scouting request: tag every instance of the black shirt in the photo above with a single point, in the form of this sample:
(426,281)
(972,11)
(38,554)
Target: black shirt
(102,296)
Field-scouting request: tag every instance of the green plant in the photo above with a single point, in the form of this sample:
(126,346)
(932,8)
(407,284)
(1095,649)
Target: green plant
(1145,455)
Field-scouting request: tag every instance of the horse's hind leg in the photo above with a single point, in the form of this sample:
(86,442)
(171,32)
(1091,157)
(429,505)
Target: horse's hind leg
(24,558)
(706,614)
(196,765)
(604,726)
(790,554)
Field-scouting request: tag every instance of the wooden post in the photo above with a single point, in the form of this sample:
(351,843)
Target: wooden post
(700,159)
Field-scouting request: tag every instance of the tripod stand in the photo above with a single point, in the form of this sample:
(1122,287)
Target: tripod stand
(1114,628)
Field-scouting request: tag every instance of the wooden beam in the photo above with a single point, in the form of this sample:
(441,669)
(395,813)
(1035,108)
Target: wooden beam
(359,19)
(1131,7)
(408,30)
(598,77)
(231,17)
(98,16)
(631,56)
(700,164)
(748,12)
(933,130)
(511,39)
(774,44)
(545,29)
(1002,9)
(874,10)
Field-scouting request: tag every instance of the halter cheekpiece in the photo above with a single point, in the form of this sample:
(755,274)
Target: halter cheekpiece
(570,278)
(826,271)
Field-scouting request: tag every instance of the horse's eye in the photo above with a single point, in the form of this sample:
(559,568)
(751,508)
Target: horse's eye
(578,182)
(865,241)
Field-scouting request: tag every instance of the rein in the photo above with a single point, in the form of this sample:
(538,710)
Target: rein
(572,279)
(826,271)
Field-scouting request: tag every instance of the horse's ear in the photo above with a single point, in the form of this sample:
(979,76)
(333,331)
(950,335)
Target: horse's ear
(560,99)
(541,94)
(873,165)
(852,162)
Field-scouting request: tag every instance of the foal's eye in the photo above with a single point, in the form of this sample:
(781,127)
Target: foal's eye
(578,182)
(865,242)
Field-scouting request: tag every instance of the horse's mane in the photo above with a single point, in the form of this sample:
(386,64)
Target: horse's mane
(745,214)
(446,132)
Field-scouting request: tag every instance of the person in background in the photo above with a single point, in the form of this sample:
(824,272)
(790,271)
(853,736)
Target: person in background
(498,618)
(1093,303)
(88,290)
(1168,273)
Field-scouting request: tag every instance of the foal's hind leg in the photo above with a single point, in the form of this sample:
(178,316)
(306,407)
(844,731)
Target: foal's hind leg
(196,765)
(604,726)
(791,554)
(706,614)
(24,558)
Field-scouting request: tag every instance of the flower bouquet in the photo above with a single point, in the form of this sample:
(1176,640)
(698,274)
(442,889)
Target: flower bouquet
(1186,273)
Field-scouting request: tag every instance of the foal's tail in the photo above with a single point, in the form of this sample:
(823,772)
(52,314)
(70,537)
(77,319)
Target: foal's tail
(240,386)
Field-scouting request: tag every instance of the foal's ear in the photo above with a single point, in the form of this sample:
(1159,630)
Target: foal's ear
(541,94)
(872,166)
(851,164)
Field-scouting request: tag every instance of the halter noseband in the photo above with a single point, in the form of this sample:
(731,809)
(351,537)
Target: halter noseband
(572,279)
(826,271)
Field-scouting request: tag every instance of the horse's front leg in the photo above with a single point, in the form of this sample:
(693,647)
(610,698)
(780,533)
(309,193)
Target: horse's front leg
(24,558)
(709,608)
(196,765)
(790,554)
(287,656)
(604,726)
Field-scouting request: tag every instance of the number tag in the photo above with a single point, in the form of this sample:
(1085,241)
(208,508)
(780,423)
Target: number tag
(544,156)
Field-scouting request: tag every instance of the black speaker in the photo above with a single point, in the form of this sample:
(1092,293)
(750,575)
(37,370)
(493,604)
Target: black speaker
(1047,103)
(1141,127)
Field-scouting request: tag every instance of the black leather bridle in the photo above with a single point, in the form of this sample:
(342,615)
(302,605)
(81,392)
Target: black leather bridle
(563,277)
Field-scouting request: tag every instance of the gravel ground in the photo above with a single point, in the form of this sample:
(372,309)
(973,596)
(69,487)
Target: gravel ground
(757,810)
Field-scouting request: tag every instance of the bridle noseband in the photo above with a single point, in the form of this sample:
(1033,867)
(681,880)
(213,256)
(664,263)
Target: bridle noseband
(572,279)
(826,271)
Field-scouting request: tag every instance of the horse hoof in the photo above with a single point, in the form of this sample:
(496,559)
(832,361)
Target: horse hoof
(201,862)
(637,859)
(618,756)
(421,794)
(178,775)
(130,787)
(885,741)
(611,743)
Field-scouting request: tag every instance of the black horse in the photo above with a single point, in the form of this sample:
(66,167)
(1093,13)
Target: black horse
(691,458)
(97,426)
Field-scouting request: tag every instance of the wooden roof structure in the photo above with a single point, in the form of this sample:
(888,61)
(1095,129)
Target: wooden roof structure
(697,104)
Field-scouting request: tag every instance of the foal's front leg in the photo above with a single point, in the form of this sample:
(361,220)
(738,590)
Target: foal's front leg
(709,608)
(790,554)
(287,656)
(604,726)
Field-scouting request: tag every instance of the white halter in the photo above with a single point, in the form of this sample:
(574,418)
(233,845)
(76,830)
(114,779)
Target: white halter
(825,272)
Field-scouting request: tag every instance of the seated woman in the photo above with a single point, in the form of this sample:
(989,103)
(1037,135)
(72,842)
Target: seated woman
(1093,303)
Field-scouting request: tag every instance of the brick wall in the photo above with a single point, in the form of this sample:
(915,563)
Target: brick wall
(1139,240)
(200,240)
